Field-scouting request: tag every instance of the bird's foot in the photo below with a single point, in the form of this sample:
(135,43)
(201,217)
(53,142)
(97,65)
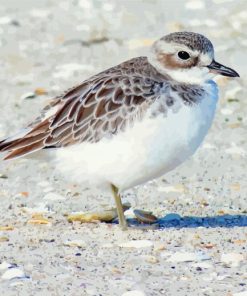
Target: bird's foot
(141,220)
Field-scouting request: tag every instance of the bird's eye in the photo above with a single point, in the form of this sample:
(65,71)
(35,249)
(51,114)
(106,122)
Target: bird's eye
(183,55)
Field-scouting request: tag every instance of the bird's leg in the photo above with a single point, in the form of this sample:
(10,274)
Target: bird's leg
(121,217)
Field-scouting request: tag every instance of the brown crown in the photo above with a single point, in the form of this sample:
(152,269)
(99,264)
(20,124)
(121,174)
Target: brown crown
(192,40)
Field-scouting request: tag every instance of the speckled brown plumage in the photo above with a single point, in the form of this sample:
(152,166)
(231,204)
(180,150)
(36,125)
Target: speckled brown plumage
(192,40)
(100,107)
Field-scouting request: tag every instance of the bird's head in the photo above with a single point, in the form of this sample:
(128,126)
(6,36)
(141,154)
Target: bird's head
(187,57)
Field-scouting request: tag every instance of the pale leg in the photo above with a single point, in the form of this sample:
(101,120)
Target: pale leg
(121,217)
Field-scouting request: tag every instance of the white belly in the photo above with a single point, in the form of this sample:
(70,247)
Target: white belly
(151,148)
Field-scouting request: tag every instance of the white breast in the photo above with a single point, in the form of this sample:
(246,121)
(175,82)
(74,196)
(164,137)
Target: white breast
(151,148)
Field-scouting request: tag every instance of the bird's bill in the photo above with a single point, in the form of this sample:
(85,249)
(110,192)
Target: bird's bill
(217,68)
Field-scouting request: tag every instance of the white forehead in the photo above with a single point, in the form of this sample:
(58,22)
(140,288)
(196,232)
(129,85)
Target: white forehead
(161,46)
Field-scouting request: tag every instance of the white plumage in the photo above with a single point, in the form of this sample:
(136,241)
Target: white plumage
(143,152)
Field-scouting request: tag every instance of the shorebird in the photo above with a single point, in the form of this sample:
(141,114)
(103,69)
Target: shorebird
(133,122)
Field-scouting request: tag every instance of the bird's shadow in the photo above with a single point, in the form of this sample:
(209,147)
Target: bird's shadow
(226,221)
(176,221)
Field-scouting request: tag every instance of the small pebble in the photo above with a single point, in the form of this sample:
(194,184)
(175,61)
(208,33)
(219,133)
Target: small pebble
(53,196)
(6,228)
(136,244)
(235,150)
(38,219)
(151,259)
(5,265)
(28,96)
(188,257)
(232,258)
(15,284)
(204,265)
(65,71)
(40,91)
(159,247)
(195,5)
(41,208)
(75,243)
(134,293)
(3,176)
(145,217)
(177,188)
(4,239)
(43,184)
(4,20)
(13,273)
(233,92)
(244,293)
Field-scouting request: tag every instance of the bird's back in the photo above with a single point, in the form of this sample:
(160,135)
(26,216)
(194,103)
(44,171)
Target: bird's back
(86,112)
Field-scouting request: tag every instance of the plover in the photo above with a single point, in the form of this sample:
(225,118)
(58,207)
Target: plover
(133,122)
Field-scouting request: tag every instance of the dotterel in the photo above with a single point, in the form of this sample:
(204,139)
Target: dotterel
(133,122)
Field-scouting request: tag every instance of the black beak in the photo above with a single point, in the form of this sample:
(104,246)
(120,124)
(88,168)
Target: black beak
(217,68)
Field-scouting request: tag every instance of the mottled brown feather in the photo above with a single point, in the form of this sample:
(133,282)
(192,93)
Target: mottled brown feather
(95,108)
(25,150)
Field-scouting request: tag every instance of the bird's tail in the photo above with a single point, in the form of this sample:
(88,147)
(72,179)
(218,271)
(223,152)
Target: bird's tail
(25,142)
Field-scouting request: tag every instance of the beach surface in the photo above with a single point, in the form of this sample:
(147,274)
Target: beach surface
(200,247)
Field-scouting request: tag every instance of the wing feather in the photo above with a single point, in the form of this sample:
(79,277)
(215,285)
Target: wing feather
(103,105)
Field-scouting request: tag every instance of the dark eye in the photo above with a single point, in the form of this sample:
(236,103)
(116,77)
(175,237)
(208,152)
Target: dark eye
(183,55)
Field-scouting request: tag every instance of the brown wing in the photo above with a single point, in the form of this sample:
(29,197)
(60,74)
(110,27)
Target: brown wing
(101,106)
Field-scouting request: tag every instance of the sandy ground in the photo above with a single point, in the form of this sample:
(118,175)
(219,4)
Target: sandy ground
(200,247)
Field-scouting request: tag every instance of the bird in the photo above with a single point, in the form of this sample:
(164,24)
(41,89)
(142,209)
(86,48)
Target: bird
(131,123)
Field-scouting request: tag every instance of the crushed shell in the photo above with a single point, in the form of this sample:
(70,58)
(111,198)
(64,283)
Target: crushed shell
(145,217)
(104,216)
(40,91)
(38,219)
(6,228)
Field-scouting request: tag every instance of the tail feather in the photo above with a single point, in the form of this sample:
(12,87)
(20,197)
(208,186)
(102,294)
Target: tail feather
(3,145)
(30,142)
(23,142)
(24,150)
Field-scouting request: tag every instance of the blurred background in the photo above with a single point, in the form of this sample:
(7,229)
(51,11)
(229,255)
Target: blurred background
(47,46)
(53,45)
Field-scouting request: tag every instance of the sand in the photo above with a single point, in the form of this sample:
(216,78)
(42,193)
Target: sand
(200,246)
